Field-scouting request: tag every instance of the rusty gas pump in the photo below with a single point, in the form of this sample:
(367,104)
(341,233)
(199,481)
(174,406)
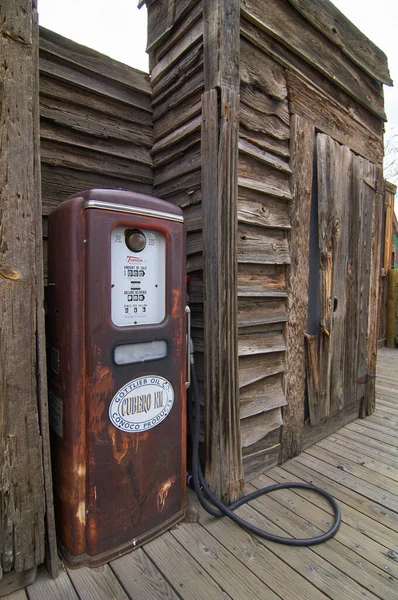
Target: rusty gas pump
(118,371)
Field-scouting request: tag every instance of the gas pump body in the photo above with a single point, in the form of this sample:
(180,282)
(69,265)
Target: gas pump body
(118,371)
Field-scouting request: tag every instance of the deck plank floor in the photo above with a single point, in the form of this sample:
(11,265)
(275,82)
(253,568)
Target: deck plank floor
(214,559)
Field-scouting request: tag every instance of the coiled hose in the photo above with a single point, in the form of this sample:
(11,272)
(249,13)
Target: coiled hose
(208,500)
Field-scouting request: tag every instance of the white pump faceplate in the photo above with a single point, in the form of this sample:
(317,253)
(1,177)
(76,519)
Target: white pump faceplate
(138,294)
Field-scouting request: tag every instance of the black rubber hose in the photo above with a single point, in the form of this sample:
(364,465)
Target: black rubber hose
(221,509)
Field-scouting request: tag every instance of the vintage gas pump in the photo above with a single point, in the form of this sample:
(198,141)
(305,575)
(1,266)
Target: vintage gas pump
(118,371)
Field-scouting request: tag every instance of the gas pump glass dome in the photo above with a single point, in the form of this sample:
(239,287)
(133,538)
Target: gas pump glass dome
(135,240)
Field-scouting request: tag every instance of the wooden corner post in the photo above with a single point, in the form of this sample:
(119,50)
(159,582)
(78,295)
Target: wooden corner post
(220,131)
(26,506)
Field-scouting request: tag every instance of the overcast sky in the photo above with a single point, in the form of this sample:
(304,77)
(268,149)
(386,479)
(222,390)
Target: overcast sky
(117,28)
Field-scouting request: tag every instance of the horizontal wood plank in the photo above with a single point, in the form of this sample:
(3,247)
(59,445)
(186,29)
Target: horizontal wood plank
(261,139)
(265,394)
(358,521)
(98,582)
(65,155)
(256,245)
(262,280)
(262,103)
(300,514)
(68,74)
(283,23)
(76,96)
(293,62)
(188,163)
(58,183)
(140,577)
(46,588)
(176,572)
(260,71)
(193,13)
(253,368)
(175,53)
(257,312)
(254,428)
(53,44)
(267,158)
(264,123)
(266,187)
(352,42)
(260,343)
(257,462)
(317,108)
(126,149)
(266,281)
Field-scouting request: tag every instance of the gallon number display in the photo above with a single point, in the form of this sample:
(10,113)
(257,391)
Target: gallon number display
(138,277)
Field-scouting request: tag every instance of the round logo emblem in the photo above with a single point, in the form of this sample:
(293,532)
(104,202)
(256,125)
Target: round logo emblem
(141,404)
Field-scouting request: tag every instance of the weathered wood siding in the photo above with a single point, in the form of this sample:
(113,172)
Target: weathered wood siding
(263,251)
(95,123)
(387,257)
(175,43)
(26,510)
(177,81)
(303,69)
(298,62)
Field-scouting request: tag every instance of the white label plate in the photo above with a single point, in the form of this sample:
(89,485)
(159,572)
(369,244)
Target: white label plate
(138,293)
(141,404)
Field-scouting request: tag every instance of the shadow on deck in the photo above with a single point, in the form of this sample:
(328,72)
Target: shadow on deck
(214,559)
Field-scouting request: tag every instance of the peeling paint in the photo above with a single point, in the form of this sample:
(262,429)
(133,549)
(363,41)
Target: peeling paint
(163,492)
(120,443)
(81,513)
(81,470)
(137,439)
(175,310)
(103,386)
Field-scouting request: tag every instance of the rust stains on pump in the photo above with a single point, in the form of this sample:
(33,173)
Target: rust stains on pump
(163,492)
(137,440)
(81,513)
(103,386)
(120,443)
(118,421)
(175,309)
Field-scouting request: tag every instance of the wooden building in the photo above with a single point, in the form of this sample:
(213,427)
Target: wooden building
(268,131)
(264,122)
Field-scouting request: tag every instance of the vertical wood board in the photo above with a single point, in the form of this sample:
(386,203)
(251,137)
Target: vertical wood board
(221,43)
(301,152)
(22,509)
(334,188)
(219,185)
(353,366)
(373,175)
(388,231)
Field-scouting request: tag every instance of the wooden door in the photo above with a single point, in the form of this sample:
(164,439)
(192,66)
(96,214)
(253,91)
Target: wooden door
(349,213)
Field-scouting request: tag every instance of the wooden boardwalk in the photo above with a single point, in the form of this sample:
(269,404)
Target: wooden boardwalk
(214,559)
